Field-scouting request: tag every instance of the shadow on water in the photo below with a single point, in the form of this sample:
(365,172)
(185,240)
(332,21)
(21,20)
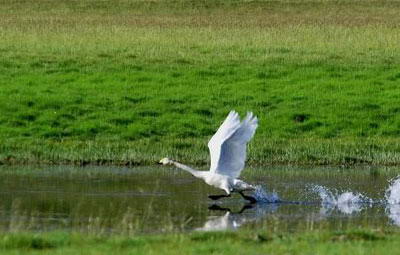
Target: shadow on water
(103,200)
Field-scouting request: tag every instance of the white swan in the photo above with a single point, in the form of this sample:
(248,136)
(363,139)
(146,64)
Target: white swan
(228,155)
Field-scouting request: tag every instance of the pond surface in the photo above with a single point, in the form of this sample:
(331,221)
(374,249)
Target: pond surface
(158,199)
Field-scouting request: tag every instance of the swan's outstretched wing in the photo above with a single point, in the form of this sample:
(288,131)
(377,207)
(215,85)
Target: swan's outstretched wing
(228,145)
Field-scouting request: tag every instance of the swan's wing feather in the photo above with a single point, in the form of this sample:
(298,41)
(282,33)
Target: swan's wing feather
(227,128)
(228,145)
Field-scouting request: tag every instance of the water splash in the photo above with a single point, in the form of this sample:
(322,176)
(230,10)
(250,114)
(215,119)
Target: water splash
(392,196)
(393,191)
(263,196)
(347,202)
(326,195)
(350,202)
(393,212)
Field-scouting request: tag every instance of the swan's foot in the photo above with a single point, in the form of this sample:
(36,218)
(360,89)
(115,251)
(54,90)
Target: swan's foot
(252,200)
(216,197)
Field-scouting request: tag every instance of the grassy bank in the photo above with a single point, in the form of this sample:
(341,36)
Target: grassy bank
(346,242)
(312,151)
(128,82)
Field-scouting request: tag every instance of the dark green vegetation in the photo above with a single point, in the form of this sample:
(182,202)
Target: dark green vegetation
(347,242)
(129,82)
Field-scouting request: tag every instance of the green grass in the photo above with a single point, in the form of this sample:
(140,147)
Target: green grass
(129,82)
(347,242)
(343,152)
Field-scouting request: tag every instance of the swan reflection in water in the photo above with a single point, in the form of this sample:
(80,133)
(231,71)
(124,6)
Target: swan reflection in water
(233,220)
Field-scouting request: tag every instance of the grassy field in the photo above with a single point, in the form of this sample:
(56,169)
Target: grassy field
(346,242)
(129,82)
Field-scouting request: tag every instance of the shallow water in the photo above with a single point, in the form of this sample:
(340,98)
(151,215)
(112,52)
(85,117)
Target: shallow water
(156,199)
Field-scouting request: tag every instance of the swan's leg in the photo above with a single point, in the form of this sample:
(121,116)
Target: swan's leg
(216,197)
(248,198)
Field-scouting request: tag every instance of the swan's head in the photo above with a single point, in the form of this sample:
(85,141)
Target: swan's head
(166,161)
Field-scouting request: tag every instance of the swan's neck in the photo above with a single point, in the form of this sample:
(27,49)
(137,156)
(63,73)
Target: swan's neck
(196,173)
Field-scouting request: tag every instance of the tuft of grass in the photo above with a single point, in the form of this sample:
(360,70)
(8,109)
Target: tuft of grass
(357,235)
(31,241)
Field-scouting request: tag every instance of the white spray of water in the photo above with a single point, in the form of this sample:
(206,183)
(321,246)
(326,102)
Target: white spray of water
(393,212)
(393,201)
(347,202)
(326,195)
(393,192)
(263,196)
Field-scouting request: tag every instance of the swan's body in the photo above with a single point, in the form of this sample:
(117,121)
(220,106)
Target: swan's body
(228,155)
